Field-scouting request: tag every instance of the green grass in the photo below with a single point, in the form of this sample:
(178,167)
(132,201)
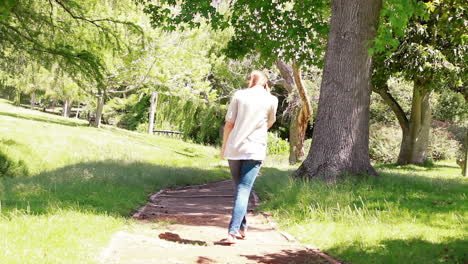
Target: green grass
(410,214)
(74,186)
(77,185)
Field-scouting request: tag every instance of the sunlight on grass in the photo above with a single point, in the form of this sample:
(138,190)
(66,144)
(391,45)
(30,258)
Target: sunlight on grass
(79,185)
(64,236)
(410,214)
(82,183)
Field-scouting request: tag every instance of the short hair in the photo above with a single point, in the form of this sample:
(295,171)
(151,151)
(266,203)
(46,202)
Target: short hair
(257,78)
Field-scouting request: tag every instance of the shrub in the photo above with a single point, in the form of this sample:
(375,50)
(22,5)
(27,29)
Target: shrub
(12,168)
(451,106)
(384,143)
(443,145)
(142,128)
(277,145)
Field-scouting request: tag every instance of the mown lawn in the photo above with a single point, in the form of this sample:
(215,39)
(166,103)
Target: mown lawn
(410,214)
(75,185)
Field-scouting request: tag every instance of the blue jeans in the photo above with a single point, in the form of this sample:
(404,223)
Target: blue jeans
(243,174)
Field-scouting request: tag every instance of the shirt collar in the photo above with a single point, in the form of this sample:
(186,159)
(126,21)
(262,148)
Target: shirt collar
(258,87)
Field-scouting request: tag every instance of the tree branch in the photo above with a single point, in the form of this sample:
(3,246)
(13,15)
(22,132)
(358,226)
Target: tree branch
(394,105)
(287,74)
(306,108)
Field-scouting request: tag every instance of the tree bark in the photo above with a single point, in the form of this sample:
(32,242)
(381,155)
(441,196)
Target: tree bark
(287,74)
(415,141)
(340,143)
(53,105)
(78,111)
(17,100)
(152,111)
(69,108)
(33,99)
(99,108)
(65,108)
(300,112)
(395,106)
(301,119)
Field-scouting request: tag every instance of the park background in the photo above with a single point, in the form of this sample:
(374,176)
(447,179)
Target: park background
(86,83)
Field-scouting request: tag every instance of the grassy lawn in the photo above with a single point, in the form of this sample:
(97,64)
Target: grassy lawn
(410,214)
(74,185)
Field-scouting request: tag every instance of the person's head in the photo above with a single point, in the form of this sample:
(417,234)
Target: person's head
(258,78)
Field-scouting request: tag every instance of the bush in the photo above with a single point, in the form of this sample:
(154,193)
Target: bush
(384,143)
(277,145)
(443,145)
(11,168)
(142,128)
(451,106)
(127,113)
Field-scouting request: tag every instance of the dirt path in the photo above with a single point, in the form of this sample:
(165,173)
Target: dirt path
(191,221)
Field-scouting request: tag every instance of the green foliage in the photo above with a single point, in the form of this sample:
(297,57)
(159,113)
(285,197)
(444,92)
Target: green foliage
(429,43)
(128,112)
(206,125)
(394,18)
(384,143)
(276,145)
(443,145)
(278,29)
(451,106)
(83,183)
(5,8)
(402,91)
(385,140)
(10,167)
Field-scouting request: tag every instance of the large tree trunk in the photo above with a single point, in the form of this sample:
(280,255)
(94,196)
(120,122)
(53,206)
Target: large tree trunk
(340,142)
(152,111)
(300,109)
(99,108)
(415,140)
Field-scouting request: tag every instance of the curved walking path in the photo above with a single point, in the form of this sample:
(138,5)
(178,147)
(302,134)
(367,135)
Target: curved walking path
(192,221)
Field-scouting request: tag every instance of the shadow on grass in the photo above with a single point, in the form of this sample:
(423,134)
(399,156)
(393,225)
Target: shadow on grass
(8,166)
(111,187)
(415,193)
(395,197)
(44,119)
(288,257)
(414,167)
(409,251)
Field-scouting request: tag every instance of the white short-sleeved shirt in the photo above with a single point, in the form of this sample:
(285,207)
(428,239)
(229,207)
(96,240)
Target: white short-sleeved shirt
(251,110)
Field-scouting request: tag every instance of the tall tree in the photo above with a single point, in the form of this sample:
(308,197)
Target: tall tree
(290,33)
(340,142)
(432,54)
(78,35)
